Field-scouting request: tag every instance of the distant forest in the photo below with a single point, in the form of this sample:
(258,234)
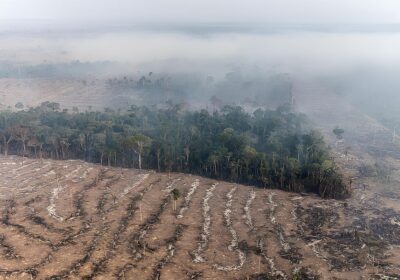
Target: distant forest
(266,89)
(268,148)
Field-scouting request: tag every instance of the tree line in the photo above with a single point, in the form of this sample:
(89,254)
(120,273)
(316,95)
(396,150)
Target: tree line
(268,148)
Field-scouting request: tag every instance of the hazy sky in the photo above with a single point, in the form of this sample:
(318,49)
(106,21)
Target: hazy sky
(277,11)
(309,50)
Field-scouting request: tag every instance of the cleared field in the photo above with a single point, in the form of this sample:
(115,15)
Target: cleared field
(68,92)
(74,220)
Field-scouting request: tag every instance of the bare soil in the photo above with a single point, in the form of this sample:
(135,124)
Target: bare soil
(74,220)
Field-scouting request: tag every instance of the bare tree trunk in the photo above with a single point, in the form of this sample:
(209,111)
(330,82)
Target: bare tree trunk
(62,152)
(187,154)
(41,151)
(158,160)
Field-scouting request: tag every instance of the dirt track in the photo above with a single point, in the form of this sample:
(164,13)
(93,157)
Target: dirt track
(74,220)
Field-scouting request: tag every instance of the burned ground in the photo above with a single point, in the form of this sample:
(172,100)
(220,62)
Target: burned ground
(75,220)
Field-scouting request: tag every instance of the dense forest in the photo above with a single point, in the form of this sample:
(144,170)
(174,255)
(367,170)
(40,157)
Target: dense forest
(268,148)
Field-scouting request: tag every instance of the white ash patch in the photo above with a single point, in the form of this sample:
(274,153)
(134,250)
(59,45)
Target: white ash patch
(169,187)
(24,166)
(51,209)
(51,172)
(247,212)
(285,246)
(73,172)
(234,241)
(394,221)
(188,198)
(204,236)
(126,190)
(295,218)
(46,165)
(315,248)
(84,175)
(274,271)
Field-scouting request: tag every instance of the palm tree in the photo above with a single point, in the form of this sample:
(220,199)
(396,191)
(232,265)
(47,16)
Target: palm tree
(175,195)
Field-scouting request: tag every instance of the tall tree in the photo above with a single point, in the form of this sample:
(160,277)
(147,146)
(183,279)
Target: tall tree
(137,143)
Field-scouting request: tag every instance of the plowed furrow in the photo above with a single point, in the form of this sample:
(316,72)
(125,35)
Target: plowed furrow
(100,265)
(234,244)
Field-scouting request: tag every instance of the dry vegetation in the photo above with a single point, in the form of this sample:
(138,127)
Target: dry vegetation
(95,93)
(74,220)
